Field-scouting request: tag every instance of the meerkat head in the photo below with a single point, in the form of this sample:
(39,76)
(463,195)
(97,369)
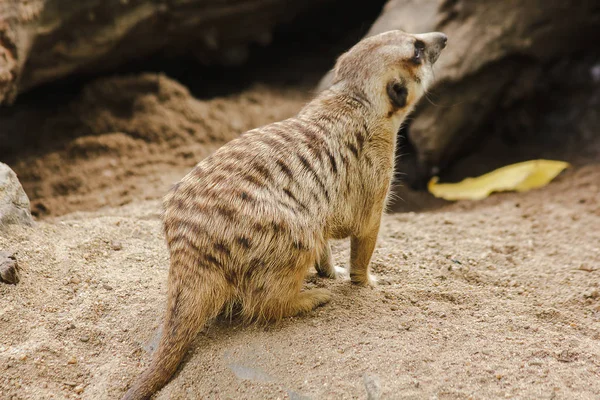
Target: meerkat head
(392,70)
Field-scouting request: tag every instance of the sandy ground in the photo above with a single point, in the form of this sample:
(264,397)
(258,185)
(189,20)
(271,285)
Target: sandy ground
(493,299)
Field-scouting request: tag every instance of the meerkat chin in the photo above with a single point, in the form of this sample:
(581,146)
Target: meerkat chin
(247,223)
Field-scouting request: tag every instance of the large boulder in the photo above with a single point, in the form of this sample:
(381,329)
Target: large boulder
(14,203)
(44,40)
(496,56)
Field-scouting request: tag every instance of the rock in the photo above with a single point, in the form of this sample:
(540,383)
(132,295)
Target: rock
(110,34)
(9,268)
(75,280)
(372,386)
(592,294)
(496,53)
(14,203)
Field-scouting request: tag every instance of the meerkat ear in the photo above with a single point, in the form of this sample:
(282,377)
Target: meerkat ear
(398,93)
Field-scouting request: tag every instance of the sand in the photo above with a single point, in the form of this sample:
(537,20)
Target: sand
(492,299)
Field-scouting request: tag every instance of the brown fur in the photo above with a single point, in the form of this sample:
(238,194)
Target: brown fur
(246,224)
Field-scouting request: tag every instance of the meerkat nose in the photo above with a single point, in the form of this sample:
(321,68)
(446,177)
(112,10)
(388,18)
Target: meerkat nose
(443,40)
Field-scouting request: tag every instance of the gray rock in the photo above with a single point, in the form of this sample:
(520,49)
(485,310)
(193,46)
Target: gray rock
(372,386)
(9,268)
(14,203)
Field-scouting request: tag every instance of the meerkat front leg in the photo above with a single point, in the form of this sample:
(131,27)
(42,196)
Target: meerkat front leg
(325,267)
(361,250)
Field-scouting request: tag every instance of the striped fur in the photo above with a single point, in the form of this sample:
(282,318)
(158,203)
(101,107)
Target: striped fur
(246,224)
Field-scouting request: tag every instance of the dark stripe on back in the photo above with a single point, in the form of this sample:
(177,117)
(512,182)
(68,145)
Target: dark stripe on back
(243,241)
(316,177)
(222,247)
(332,162)
(277,226)
(360,140)
(353,149)
(181,237)
(248,177)
(225,211)
(315,143)
(285,205)
(291,196)
(176,226)
(209,258)
(262,170)
(270,141)
(320,127)
(327,118)
(285,169)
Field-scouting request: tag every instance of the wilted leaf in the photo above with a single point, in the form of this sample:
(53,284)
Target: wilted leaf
(519,177)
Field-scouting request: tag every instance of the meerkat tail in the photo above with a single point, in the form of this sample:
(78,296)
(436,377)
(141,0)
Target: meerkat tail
(192,301)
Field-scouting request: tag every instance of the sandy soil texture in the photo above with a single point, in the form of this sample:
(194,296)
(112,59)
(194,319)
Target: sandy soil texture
(493,299)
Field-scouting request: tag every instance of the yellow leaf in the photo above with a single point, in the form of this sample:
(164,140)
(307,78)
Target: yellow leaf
(520,177)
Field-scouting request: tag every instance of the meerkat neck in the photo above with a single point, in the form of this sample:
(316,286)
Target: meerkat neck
(345,110)
(340,110)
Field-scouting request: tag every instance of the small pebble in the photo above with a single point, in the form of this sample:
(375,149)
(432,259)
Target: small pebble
(593,294)
(72,360)
(107,287)
(372,386)
(78,389)
(116,246)
(75,280)
(84,339)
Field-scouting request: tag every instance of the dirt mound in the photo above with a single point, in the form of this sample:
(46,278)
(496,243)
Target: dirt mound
(129,138)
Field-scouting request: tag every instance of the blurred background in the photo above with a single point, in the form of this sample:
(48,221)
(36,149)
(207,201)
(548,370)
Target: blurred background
(107,102)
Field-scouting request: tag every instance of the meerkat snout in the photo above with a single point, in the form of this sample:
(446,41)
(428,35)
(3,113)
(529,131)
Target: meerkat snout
(432,44)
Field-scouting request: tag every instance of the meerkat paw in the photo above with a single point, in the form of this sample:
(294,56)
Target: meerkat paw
(311,299)
(327,271)
(368,280)
(341,272)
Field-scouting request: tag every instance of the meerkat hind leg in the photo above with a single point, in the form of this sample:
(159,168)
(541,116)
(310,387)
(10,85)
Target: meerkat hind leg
(277,294)
(276,308)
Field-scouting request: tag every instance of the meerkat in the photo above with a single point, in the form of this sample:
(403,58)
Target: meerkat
(247,223)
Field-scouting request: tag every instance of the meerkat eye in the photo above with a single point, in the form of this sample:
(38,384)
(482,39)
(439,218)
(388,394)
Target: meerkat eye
(417,56)
(419,47)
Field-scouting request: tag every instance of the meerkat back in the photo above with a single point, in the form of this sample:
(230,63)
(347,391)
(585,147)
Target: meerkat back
(246,224)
